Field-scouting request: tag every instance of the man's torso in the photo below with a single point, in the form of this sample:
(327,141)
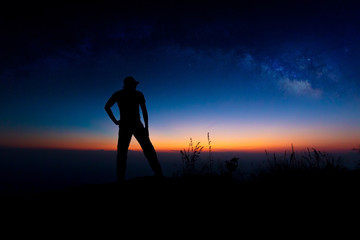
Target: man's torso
(129,102)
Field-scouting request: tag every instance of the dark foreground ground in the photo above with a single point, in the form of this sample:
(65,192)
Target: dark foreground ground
(282,189)
(287,204)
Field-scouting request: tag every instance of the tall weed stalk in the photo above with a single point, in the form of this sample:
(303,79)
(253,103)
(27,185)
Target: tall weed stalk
(190,157)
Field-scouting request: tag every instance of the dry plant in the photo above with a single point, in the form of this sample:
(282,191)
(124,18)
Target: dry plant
(309,160)
(190,157)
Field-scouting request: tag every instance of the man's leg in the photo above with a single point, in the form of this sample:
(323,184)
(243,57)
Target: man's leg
(148,149)
(122,150)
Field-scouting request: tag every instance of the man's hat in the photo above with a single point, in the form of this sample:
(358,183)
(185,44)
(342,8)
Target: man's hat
(130,81)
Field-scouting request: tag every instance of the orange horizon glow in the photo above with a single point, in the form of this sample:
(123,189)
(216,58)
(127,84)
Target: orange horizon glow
(223,139)
(110,144)
(178,149)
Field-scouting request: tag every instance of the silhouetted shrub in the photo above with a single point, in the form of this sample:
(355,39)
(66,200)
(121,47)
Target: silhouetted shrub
(313,160)
(231,166)
(190,157)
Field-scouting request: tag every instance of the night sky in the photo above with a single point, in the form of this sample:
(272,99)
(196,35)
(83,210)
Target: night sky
(256,75)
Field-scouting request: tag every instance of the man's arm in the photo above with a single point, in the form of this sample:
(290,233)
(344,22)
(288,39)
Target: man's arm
(108,106)
(145,114)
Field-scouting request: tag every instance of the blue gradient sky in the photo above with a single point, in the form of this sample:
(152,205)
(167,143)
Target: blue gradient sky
(257,75)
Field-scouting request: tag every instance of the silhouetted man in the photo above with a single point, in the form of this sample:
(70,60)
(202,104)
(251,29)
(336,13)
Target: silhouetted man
(129,100)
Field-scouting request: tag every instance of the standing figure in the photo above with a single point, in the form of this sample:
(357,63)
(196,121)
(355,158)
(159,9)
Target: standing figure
(129,100)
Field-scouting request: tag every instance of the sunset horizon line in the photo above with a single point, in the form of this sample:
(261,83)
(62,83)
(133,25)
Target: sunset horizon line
(205,150)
